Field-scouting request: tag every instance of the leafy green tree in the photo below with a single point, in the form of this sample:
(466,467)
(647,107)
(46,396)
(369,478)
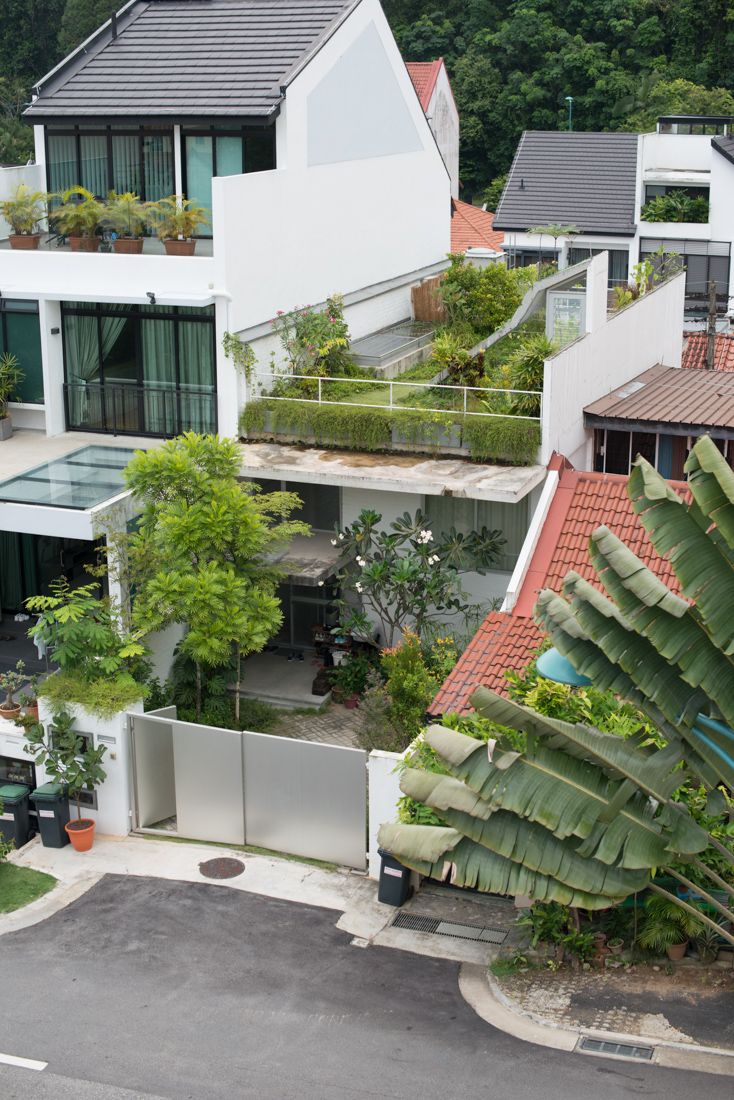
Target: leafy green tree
(679,97)
(405,577)
(582,817)
(28,30)
(200,554)
(82,18)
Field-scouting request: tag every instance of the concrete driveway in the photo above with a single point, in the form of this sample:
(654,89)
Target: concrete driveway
(180,990)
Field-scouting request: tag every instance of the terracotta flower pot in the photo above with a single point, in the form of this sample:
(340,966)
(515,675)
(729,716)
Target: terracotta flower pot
(85,244)
(10,712)
(130,246)
(26,241)
(175,247)
(616,947)
(32,710)
(676,951)
(352,702)
(80,833)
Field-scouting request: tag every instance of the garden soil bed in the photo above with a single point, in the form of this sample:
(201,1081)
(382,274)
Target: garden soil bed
(684,1002)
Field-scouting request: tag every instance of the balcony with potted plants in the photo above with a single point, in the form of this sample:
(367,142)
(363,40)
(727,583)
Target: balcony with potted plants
(73,244)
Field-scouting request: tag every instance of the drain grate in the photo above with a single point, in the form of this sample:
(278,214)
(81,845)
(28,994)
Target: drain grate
(415,923)
(615,1050)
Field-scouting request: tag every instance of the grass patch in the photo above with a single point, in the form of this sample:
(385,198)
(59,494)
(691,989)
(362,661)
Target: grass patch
(251,848)
(20,886)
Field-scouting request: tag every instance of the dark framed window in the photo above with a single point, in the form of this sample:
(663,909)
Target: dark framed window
(139,370)
(659,190)
(20,335)
(618,262)
(703,261)
(222,150)
(107,158)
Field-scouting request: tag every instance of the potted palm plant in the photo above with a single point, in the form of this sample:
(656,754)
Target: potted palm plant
(127,216)
(11,377)
(67,760)
(667,927)
(176,220)
(10,682)
(79,218)
(24,212)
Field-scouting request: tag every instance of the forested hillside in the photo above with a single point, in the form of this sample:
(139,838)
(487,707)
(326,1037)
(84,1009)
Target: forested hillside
(512,62)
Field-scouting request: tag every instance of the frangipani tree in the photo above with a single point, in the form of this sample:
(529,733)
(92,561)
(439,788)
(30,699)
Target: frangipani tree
(583,817)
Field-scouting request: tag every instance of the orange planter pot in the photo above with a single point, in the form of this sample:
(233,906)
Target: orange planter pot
(676,951)
(176,247)
(11,713)
(85,244)
(81,833)
(129,246)
(26,241)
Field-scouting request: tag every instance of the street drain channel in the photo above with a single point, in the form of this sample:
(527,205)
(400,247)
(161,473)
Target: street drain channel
(434,927)
(615,1050)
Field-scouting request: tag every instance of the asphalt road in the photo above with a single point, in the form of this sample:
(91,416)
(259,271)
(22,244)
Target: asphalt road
(144,988)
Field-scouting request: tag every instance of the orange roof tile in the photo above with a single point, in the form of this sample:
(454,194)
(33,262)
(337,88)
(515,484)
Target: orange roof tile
(582,502)
(472,227)
(424,75)
(694,351)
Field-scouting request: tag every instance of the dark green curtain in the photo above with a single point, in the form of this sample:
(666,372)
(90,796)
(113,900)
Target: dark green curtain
(18,570)
(197,373)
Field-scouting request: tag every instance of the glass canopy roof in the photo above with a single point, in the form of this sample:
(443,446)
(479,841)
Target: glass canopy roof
(81,479)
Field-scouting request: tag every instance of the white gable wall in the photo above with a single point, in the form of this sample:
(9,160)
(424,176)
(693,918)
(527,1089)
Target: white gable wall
(443,118)
(361,194)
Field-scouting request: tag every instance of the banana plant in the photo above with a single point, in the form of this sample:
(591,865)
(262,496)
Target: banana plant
(584,817)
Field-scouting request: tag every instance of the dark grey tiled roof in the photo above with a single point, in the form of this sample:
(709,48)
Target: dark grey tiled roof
(571,178)
(179,58)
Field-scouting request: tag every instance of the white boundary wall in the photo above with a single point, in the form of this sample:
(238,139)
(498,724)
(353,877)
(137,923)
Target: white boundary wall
(384,793)
(612,353)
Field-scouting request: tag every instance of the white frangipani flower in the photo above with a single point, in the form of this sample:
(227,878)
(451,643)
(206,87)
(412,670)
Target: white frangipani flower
(333,542)
(341,536)
(358,586)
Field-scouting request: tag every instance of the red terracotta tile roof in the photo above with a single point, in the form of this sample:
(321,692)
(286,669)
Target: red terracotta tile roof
(694,351)
(472,227)
(424,75)
(582,502)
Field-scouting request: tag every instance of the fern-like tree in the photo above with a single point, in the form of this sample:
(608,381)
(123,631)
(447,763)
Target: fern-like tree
(202,553)
(583,817)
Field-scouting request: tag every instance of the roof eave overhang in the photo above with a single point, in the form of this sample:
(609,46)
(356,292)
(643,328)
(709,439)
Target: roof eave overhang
(39,116)
(663,427)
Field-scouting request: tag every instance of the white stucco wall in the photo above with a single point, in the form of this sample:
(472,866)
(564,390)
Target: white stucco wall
(645,333)
(32,175)
(721,209)
(114,796)
(384,793)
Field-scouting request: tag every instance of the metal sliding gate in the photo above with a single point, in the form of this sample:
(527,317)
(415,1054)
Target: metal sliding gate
(207,783)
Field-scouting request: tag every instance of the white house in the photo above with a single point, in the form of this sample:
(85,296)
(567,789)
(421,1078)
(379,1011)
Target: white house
(601,182)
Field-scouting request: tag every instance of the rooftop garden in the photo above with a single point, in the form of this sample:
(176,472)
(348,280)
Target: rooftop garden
(485,406)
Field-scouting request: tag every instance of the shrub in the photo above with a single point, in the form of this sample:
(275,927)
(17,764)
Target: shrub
(409,683)
(481,297)
(315,341)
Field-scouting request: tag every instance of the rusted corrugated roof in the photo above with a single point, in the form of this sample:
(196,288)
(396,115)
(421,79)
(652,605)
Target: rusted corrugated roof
(668,395)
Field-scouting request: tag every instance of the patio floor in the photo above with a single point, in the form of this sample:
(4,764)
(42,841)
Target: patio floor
(274,679)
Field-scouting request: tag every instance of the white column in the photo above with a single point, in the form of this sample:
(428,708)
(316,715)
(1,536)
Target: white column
(177,162)
(384,792)
(52,359)
(228,402)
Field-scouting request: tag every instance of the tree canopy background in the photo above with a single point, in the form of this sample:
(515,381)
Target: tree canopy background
(511,62)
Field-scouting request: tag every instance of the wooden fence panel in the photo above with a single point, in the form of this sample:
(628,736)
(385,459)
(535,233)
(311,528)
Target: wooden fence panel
(426,299)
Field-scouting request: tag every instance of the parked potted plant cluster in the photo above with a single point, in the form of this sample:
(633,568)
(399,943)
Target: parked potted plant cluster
(82,218)
(11,377)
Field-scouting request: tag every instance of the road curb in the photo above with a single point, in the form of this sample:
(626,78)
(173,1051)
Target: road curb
(493,1005)
(42,908)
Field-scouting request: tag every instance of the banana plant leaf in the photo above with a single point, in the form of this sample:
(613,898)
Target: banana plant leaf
(703,573)
(711,481)
(651,771)
(516,839)
(468,864)
(569,797)
(670,624)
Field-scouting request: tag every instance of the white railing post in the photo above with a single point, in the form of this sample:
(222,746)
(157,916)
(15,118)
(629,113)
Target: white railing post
(391,391)
(319,389)
(464,400)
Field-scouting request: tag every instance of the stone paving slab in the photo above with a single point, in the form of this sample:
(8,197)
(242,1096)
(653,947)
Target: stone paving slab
(338,725)
(684,1004)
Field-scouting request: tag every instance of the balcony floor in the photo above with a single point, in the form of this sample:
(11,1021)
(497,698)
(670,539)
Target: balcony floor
(151,246)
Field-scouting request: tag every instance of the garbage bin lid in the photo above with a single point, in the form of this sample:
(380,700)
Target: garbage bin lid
(48,792)
(13,792)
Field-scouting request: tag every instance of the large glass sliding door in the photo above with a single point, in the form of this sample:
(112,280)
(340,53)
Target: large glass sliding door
(141,370)
(104,158)
(212,151)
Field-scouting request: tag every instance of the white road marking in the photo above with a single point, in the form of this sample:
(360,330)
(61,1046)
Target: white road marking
(23,1063)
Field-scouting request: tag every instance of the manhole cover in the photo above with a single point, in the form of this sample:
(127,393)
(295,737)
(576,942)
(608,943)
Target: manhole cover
(223,867)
